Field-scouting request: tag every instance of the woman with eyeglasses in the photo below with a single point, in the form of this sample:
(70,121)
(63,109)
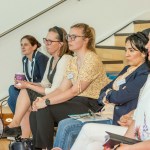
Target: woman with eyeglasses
(57,46)
(123,93)
(78,92)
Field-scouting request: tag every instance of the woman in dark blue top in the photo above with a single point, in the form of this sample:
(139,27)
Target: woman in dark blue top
(122,92)
(34,65)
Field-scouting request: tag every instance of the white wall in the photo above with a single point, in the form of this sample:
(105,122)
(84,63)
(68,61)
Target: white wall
(104,15)
(13,12)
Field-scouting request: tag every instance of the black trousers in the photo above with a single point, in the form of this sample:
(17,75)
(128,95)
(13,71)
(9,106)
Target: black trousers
(43,121)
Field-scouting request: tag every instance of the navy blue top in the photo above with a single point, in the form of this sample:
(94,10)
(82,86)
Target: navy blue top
(38,66)
(126,98)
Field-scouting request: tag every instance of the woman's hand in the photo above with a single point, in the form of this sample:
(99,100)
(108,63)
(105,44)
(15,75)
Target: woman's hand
(125,120)
(39,103)
(21,84)
(105,101)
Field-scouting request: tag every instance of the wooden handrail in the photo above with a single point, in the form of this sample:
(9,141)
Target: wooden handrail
(31,18)
(3,98)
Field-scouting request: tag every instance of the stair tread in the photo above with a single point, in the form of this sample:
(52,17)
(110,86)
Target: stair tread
(111,47)
(141,21)
(112,62)
(123,34)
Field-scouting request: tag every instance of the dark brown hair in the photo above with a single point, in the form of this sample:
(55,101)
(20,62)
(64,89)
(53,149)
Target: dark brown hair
(33,41)
(139,40)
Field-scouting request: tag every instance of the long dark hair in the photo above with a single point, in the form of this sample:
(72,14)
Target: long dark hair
(139,40)
(146,31)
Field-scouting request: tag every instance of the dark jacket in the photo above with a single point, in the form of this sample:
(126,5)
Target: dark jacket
(126,98)
(39,63)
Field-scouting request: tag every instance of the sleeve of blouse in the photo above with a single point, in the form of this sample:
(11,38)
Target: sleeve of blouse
(59,75)
(67,71)
(135,114)
(91,68)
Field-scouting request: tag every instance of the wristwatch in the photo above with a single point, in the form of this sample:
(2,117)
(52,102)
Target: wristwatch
(47,102)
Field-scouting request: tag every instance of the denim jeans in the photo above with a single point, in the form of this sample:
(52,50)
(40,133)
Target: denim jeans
(13,95)
(68,130)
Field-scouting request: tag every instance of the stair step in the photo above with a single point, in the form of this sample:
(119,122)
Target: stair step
(111,53)
(110,47)
(112,61)
(112,57)
(120,38)
(140,25)
(141,21)
(123,34)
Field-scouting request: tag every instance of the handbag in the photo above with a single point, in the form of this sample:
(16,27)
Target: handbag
(21,144)
(5,118)
(1,127)
(5,115)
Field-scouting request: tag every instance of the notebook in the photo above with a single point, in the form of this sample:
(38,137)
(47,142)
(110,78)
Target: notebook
(115,139)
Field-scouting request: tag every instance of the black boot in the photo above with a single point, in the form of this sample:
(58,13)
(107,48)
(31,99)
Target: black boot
(11,132)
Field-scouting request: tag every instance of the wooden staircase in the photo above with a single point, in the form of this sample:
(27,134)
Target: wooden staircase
(113,57)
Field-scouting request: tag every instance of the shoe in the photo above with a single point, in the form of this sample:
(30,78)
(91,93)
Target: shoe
(11,132)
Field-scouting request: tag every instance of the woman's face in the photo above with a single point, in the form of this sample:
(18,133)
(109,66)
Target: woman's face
(52,44)
(26,47)
(76,39)
(133,56)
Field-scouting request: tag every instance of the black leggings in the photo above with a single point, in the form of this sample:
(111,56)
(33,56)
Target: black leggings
(43,121)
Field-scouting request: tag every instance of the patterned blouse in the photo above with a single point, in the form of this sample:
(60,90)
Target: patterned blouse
(91,70)
(142,113)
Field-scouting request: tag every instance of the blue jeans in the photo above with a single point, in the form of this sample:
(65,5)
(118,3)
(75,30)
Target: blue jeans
(68,130)
(13,95)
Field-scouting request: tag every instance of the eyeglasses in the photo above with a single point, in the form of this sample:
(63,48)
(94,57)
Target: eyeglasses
(48,42)
(72,37)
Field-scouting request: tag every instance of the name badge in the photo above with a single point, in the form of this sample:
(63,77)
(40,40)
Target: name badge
(120,82)
(70,76)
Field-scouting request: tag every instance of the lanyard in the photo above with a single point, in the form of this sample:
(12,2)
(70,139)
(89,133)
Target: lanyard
(25,67)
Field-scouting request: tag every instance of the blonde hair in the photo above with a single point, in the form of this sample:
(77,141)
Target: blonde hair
(89,33)
(61,36)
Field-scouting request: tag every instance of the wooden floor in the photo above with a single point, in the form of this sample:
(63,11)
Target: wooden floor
(4,144)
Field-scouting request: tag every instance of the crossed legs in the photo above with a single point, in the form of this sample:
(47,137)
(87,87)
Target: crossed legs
(22,112)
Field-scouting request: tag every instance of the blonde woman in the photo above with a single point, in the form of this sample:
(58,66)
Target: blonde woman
(78,91)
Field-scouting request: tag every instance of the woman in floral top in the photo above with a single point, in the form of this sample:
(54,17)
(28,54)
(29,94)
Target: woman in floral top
(78,92)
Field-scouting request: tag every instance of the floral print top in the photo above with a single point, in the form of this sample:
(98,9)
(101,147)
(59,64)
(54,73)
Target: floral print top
(91,70)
